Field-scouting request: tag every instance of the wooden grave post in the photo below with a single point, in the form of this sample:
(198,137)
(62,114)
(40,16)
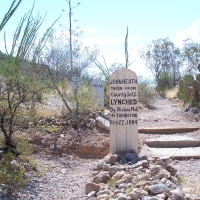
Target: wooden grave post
(123,111)
(98,86)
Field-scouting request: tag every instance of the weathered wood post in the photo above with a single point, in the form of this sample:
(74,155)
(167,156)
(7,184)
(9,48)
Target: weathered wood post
(98,86)
(123,111)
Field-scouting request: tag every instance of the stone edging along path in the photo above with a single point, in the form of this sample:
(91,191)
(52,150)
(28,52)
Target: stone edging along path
(150,176)
(124,176)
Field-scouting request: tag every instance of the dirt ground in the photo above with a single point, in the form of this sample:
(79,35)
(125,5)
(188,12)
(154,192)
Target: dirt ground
(63,176)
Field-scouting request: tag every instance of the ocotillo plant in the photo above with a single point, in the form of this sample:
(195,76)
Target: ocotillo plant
(126,50)
(189,90)
(106,71)
(10,12)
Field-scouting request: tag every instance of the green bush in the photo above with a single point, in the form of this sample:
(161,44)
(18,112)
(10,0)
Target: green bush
(24,148)
(85,96)
(165,82)
(181,180)
(11,174)
(146,92)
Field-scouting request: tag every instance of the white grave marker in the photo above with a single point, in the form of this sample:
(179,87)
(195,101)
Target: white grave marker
(98,91)
(123,111)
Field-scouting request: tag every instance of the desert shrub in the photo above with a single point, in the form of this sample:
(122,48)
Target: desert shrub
(164,60)
(171,93)
(1,140)
(24,148)
(146,92)
(165,82)
(49,113)
(39,97)
(181,180)
(11,174)
(12,177)
(86,98)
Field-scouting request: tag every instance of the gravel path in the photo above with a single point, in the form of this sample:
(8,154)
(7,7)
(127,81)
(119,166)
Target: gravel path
(167,114)
(59,178)
(189,171)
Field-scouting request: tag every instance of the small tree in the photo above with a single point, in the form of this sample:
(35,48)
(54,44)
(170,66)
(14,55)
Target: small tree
(191,56)
(67,60)
(15,97)
(164,60)
(20,82)
(146,92)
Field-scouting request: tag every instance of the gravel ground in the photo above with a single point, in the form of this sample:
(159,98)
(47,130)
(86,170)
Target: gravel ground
(167,114)
(58,178)
(65,177)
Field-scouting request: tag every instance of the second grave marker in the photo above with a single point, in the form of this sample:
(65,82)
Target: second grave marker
(98,86)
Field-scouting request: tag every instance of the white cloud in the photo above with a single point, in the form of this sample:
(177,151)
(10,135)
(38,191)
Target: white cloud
(193,32)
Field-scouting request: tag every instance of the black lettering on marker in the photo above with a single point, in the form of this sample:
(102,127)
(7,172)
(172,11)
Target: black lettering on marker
(123,102)
(123,81)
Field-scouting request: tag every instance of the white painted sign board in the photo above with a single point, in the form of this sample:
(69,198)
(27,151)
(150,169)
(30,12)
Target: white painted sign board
(123,111)
(98,86)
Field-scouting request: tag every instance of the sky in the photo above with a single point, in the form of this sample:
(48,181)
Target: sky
(104,24)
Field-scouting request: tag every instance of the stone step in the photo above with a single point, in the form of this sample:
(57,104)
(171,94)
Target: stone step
(167,130)
(175,142)
(174,153)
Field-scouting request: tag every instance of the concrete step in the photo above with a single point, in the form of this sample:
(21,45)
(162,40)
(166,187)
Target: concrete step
(167,130)
(173,142)
(174,153)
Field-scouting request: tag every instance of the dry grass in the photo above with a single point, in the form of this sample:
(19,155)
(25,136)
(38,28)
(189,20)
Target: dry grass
(172,93)
(47,113)
(181,104)
(51,107)
(197,188)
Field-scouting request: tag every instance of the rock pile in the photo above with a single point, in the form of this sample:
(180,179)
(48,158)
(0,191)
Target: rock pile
(124,176)
(87,119)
